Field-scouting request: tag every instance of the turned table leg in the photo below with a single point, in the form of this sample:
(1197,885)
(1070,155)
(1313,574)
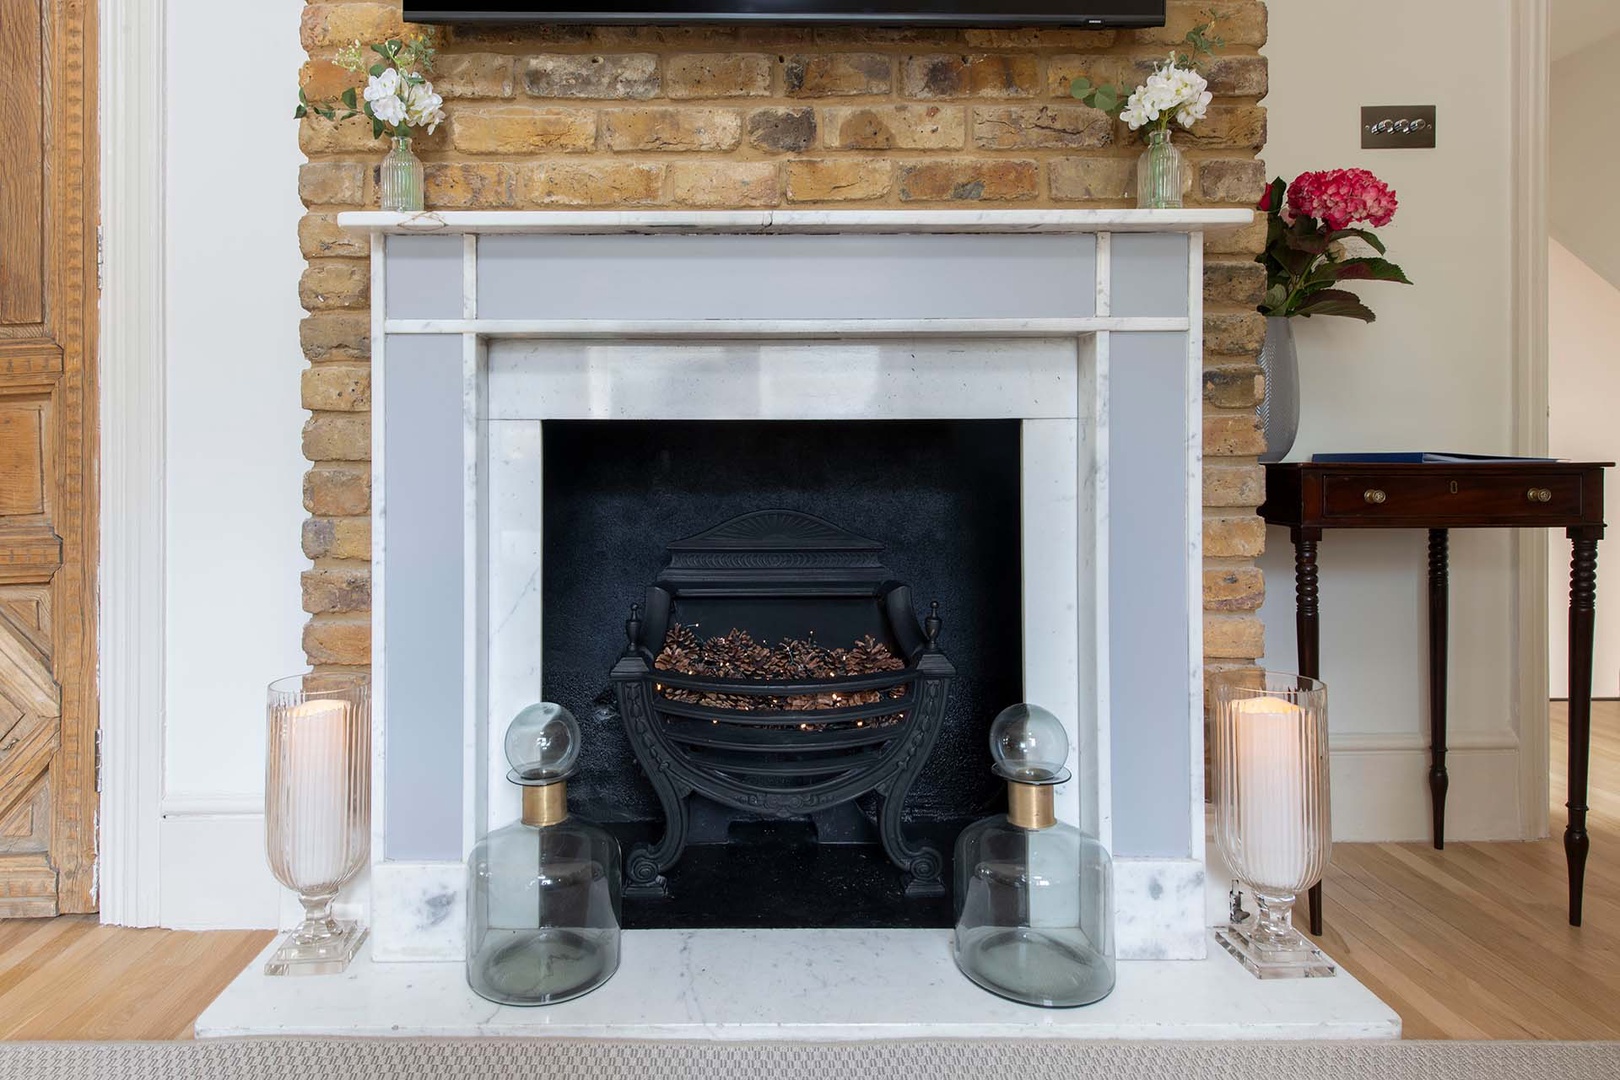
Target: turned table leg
(1439,595)
(1582,621)
(1308,638)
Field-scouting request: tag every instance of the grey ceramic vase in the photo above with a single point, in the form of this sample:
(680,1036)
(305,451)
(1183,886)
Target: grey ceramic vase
(1279,408)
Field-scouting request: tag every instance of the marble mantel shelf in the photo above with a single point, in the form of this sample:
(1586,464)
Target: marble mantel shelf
(794,221)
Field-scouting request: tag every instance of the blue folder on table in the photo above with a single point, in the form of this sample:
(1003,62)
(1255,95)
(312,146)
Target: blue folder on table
(1421,457)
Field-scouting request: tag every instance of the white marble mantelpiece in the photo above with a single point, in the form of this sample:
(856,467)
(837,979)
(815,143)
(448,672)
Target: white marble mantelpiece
(487,324)
(478,222)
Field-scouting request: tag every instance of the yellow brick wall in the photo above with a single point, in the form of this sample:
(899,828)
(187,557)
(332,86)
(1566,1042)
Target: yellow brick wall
(551,117)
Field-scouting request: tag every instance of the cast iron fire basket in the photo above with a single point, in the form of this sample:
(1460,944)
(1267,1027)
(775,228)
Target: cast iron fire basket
(782,574)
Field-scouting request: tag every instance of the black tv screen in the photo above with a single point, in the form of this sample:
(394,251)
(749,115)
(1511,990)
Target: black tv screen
(1084,13)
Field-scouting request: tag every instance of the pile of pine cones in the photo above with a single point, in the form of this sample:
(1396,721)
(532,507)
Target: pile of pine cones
(736,655)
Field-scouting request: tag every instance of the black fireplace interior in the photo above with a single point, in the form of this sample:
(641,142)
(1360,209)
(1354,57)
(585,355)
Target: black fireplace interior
(942,496)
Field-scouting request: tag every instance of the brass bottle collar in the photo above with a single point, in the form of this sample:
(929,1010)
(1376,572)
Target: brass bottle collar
(545,804)
(1031,806)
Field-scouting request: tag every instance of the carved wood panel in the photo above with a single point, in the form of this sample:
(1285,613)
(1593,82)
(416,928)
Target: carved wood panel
(48,178)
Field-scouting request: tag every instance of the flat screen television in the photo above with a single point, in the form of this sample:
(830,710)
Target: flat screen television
(1082,13)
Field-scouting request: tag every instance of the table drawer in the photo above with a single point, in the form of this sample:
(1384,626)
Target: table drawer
(1459,497)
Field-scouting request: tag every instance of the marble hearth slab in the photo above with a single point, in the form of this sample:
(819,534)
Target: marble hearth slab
(800,985)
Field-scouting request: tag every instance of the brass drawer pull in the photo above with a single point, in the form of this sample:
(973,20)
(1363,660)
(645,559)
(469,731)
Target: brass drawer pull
(1374,496)
(1540,495)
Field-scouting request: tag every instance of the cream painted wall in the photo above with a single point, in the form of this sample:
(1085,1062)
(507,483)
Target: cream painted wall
(1583,391)
(1585,158)
(1434,372)
(233,472)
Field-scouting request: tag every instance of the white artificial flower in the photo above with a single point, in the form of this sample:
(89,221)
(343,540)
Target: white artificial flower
(422,106)
(1169,91)
(382,92)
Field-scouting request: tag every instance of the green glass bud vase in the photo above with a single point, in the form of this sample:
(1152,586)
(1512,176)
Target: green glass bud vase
(1159,173)
(400,178)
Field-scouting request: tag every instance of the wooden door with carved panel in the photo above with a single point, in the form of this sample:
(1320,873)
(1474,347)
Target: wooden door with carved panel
(48,495)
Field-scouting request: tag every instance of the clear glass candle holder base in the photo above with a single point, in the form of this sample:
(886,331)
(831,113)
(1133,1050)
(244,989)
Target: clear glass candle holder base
(1298,959)
(329,955)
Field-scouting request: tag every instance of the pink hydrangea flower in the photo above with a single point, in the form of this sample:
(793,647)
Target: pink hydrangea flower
(1341,197)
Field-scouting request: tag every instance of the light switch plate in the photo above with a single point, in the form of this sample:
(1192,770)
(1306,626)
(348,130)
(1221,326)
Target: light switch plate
(1397,127)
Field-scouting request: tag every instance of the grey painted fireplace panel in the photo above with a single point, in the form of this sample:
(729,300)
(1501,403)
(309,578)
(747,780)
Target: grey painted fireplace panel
(422,507)
(424,277)
(1149,275)
(1033,275)
(1149,594)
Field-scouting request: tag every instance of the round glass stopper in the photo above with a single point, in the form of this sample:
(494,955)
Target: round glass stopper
(542,742)
(1029,745)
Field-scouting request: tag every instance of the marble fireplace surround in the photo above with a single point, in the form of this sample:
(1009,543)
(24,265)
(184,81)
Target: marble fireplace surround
(1084,325)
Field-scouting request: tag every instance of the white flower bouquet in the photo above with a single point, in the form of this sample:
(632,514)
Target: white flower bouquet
(397,96)
(1175,91)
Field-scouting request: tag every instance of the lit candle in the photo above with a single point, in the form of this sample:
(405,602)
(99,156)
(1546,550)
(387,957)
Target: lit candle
(1270,747)
(319,778)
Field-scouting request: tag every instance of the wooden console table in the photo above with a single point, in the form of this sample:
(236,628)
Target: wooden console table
(1309,498)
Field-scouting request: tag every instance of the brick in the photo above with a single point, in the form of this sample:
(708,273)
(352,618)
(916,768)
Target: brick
(322,80)
(1092,178)
(1247,239)
(335,283)
(838,180)
(782,131)
(1233,435)
(320,238)
(330,26)
(688,38)
(723,183)
(339,639)
(1227,127)
(626,75)
(717,75)
(336,388)
(527,36)
(449,186)
(338,437)
(896,127)
(337,589)
(968,180)
(1128,72)
(335,336)
(1239,182)
(1038,38)
(338,490)
(474,75)
(1241,283)
(774,37)
(973,75)
(1234,636)
(1026,127)
(862,35)
(1234,588)
(1234,386)
(332,183)
(523,130)
(1234,537)
(661,129)
(837,75)
(337,538)
(1239,22)
(1238,76)
(592,183)
(1233,485)
(1234,333)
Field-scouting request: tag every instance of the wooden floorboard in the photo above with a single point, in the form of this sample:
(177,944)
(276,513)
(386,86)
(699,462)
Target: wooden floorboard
(1466,943)
(1473,942)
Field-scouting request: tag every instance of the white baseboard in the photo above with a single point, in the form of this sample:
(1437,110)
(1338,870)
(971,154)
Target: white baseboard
(1381,787)
(212,869)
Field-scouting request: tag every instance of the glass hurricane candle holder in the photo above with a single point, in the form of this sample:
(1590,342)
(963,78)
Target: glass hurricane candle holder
(1270,758)
(317,810)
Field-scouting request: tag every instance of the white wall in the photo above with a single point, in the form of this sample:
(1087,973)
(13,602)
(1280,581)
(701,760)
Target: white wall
(234,467)
(1433,373)
(1583,391)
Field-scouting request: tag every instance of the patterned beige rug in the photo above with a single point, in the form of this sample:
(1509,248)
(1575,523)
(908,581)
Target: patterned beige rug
(452,1059)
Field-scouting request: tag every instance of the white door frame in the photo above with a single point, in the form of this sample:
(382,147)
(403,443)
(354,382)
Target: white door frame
(1530,30)
(132,101)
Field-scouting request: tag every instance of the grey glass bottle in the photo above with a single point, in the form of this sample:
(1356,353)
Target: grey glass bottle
(543,895)
(1034,896)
